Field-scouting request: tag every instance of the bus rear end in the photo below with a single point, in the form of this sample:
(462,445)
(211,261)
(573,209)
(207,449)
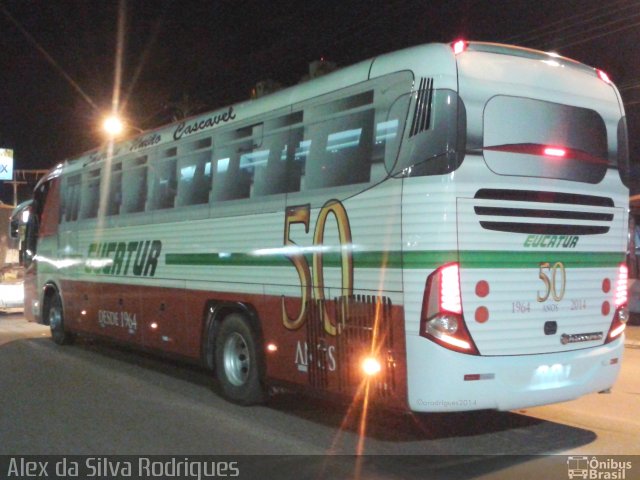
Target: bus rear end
(531,309)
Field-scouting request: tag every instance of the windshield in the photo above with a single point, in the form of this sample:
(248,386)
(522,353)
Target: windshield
(528,137)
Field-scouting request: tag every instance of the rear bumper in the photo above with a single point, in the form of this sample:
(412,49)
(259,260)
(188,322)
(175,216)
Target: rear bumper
(436,377)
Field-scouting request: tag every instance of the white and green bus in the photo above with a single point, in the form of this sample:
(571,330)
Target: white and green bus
(444,225)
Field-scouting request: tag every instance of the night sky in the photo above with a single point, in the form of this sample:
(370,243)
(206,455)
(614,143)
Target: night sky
(58,57)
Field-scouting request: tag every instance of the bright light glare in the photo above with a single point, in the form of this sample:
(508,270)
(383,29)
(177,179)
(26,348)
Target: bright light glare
(555,152)
(456,342)
(113,125)
(618,330)
(459,47)
(371,366)
(604,77)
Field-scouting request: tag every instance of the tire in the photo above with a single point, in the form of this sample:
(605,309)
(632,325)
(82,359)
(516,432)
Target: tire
(239,363)
(55,319)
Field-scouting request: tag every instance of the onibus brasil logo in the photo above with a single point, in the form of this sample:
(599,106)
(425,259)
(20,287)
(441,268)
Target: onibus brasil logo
(597,468)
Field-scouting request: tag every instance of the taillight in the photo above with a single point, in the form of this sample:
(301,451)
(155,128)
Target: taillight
(622,285)
(442,320)
(621,315)
(459,46)
(450,300)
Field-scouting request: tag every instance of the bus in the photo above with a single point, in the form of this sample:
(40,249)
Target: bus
(633,259)
(439,228)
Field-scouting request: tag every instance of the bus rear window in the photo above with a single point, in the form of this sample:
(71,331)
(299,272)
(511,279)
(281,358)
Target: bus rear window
(534,138)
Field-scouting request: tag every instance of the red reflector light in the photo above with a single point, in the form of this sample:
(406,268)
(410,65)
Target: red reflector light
(459,46)
(604,77)
(555,152)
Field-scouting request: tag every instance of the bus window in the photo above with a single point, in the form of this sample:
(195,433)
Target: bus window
(115,190)
(519,131)
(229,182)
(134,185)
(71,198)
(275,170)
(234,156)
(194,178)
(340,150)
(194,172)
(164,184)
(91,194)
(300,153)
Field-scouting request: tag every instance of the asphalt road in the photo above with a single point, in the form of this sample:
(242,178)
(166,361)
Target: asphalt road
(94,399)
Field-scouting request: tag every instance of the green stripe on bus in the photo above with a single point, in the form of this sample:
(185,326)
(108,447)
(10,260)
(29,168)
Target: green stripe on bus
(502,259)
(410,260)
(226,259)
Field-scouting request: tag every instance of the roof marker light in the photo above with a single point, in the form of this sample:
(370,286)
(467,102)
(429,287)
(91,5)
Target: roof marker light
(603,76)
(459,46)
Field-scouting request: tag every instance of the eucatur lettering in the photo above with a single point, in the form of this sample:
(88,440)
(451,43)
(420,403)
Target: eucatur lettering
(138,258)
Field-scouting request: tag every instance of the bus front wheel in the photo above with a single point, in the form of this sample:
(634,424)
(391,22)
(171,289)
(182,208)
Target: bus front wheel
(238,362)
(55,318)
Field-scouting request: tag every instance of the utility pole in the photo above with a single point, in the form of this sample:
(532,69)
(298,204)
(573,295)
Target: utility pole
(15,184)
(25,176)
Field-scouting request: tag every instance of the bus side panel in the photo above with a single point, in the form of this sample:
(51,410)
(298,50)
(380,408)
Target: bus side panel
(304,357)
(165,323)
(37,271)
(80,312)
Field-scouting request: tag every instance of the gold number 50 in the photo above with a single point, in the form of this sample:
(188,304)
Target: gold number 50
(301,214)
(554,283)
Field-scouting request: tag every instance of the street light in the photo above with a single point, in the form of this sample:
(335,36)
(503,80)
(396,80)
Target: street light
(113,126)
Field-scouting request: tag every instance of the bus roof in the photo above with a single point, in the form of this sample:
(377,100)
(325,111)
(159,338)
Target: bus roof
(441,64)
(440,58)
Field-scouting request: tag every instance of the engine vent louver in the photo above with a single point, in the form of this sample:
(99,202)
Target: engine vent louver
(576,209)
(422,112)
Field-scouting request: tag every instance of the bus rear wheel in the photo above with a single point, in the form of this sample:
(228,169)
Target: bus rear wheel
(238,361)
(55,319)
